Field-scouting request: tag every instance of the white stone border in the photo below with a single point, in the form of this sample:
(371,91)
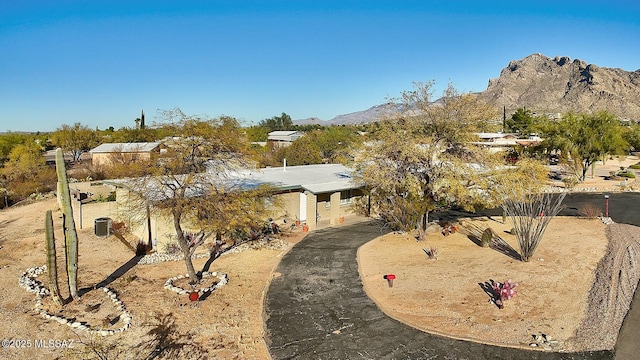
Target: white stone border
(161,257)
(180,291)
(28,282)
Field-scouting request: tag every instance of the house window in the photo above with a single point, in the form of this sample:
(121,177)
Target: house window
(345,197)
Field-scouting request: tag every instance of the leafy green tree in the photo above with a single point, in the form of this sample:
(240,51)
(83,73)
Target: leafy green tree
(25,172)
(334,142)
(632,136)
(307,127)
(258,133)
(8,141)
(523,122)
(282,122)
(584,139)
(420,161)
(132,135)
(75,139)
(303,151)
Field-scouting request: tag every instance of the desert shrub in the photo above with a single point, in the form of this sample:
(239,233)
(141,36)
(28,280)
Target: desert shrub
(432,253)
(635,166)
(110,197)
(628,175)
(590,211)
(171,247)
(570,182)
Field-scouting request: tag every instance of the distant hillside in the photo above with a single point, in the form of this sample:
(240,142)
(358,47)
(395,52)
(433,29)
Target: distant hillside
(359,117)
(544,85)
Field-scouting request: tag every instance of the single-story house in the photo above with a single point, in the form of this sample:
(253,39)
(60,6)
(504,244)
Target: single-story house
(283,138)
(309,193)
(50,157)
(104,153)
(503,141)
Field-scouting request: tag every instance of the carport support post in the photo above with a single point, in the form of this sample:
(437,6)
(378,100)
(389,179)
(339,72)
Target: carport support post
(80,212)
(312,211)
(335,208)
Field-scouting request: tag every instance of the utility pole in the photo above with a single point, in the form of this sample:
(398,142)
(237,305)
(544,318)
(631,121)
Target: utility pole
(504,118)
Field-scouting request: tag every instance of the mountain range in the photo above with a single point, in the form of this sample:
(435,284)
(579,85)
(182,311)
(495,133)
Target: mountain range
(544,85)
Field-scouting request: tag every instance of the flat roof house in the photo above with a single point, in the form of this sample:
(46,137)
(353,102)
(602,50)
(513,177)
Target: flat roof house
(104,154)
(309,193)
(282,138)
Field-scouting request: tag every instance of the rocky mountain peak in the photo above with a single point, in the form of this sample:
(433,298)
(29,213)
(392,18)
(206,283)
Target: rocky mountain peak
(559,85)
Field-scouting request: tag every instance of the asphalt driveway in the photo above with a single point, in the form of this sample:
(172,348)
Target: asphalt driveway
(317,308)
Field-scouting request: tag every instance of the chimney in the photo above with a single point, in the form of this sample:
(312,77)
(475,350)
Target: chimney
(284,165)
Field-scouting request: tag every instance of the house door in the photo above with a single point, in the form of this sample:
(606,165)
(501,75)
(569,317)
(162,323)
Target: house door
(303,207)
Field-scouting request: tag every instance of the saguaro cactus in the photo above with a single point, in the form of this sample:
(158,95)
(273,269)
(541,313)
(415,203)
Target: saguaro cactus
(70,234)
(51,258)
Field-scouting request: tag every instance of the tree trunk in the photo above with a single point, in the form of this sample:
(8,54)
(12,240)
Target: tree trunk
(422,228)
(585,167)
(193,275)
(150,243)
(184,246)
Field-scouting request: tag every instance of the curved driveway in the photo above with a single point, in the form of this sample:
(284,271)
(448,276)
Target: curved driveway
(317,309)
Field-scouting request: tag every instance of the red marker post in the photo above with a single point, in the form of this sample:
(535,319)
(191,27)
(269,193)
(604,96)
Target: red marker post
(390,278)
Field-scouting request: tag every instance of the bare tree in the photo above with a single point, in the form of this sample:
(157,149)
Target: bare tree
(191,183)
(420,158)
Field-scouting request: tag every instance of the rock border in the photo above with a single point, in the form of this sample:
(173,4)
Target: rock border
(28,282)
(223,277)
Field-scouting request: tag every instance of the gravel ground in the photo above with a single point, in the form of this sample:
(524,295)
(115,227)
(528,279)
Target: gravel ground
(616,280)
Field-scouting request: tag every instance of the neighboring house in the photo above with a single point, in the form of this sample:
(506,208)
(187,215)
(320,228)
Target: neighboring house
(502,141)
(283,138)
(50,157)
(104,154)
(310,193)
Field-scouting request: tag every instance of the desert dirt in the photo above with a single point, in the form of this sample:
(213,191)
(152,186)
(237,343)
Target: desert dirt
(446,295)
(442,296)
(575,290)
(226,325)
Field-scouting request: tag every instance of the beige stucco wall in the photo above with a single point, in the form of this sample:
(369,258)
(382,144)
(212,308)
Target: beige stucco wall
(100,159)
(286,205)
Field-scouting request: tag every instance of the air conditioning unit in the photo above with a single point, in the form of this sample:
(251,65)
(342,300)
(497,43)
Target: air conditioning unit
(102,227)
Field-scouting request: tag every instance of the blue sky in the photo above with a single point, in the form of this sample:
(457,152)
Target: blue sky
(101,62)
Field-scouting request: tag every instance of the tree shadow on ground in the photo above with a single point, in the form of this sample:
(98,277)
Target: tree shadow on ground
(168,343)
(114,275)
(498,244)
(487,287)
(474,233)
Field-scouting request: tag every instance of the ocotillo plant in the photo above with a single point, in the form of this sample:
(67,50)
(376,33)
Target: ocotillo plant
(70,234)
(51,258)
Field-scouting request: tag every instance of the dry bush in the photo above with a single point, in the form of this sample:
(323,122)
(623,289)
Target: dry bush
(432,252)
(590,211)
